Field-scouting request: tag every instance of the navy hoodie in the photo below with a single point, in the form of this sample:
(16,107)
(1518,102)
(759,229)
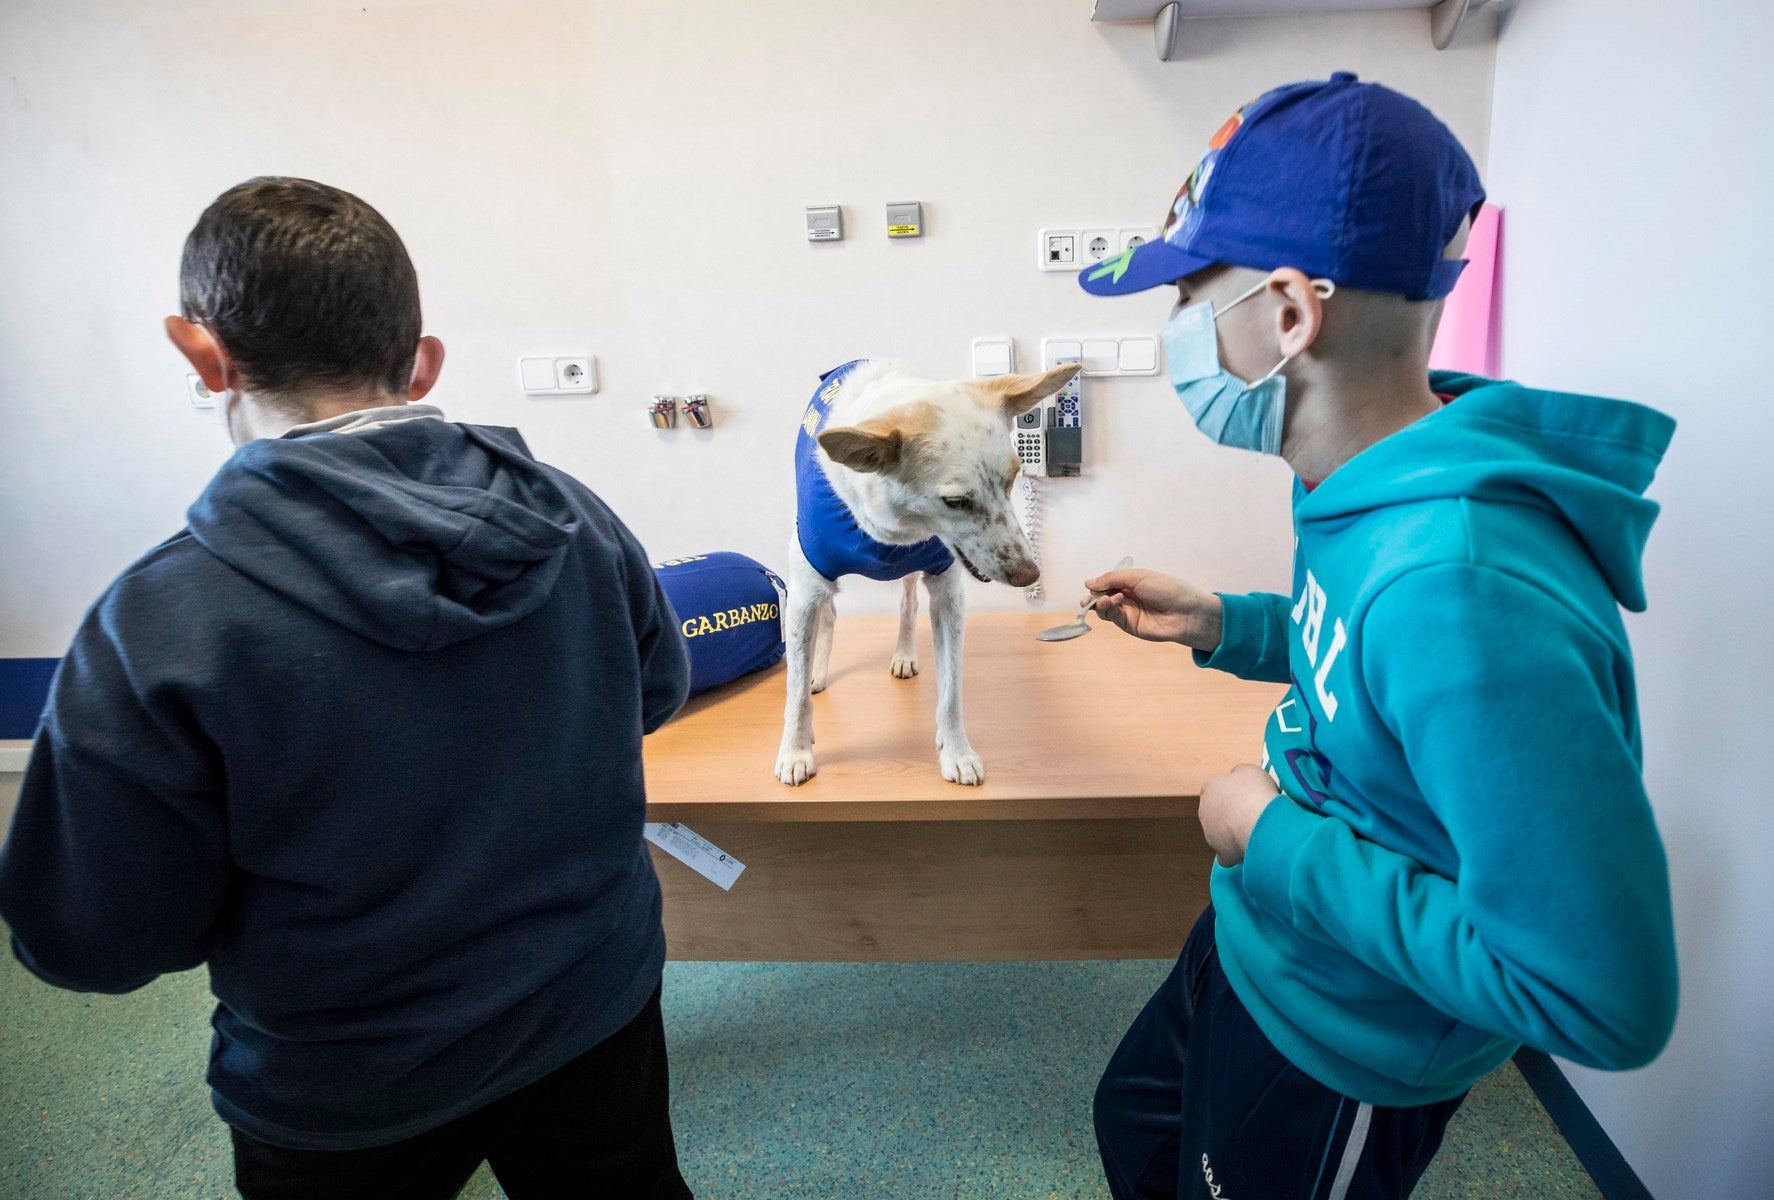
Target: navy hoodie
(365,738)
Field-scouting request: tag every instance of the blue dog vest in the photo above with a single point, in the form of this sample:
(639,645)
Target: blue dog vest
(729,613)
(830,537)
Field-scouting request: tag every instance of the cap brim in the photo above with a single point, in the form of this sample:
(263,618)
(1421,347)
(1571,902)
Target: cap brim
(1150,265)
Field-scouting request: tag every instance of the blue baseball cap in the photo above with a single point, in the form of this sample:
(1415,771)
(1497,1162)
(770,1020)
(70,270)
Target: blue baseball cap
(1347,181)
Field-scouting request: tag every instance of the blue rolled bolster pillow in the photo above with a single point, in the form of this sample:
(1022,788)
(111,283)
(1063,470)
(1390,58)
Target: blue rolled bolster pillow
(730,610)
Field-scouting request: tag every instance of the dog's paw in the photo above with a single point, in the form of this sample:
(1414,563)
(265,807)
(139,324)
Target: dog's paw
(965,768)
(817,686)
(903,666)
(795,766)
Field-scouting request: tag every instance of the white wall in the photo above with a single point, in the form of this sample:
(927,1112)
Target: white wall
(628,179)
(1633,149)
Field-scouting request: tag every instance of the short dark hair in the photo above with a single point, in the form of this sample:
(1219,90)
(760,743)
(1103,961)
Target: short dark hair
(305,285)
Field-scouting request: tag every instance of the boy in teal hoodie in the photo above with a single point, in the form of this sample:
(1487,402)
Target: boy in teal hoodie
(1447,851)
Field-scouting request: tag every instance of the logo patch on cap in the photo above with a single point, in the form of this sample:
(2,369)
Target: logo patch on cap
(1180,223)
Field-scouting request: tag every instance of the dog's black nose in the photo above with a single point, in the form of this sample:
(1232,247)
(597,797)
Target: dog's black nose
(1025,575)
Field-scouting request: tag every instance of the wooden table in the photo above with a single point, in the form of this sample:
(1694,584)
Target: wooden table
(1082,843)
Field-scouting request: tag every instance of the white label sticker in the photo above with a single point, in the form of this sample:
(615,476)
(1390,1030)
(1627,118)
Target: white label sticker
(695,852)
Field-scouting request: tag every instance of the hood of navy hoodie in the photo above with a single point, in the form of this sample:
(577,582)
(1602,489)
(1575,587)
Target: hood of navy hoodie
(1584,458)
(415,534)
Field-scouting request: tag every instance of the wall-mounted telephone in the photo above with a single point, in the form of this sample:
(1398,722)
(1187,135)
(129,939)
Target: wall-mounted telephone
(1050,436)
(1050,443)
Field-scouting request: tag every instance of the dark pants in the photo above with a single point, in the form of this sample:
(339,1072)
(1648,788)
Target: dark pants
(1197,1103)
(599,1126)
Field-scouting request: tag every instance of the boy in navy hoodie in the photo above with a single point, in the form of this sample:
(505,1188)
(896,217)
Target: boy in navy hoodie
(365,738)
(1447,851)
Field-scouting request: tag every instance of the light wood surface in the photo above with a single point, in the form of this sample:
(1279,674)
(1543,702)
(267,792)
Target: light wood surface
(1083,842)
(941,890)
(1101,726)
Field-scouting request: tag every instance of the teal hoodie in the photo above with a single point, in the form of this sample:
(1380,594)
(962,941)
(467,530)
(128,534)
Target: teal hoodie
(1464,859)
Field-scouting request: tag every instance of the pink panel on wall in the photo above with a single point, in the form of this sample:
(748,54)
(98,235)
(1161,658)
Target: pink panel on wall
(1468,338)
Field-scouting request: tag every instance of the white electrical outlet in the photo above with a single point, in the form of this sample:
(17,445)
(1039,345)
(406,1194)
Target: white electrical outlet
(574,375)
(199,395)
(568,375)
(1132,239)
(1095,245)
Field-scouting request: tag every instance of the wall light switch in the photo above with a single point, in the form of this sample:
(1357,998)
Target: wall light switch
(1055,351)
(1102,356)
(1135,355)
(993,356)
(536,374)
(1139,355)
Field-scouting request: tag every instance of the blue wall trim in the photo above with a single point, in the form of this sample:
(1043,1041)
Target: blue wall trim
(1585,1135)
(24,690)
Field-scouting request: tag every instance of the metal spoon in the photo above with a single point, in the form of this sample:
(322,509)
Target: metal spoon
(1076,626)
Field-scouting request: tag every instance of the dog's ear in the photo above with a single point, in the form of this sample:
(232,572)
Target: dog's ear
(881,443)
(869,446)
(1017,394)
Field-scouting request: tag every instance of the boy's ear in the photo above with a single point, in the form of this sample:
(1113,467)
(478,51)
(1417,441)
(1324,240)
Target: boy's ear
(1017,394)
(870,446)
(203,351)
(428,360)
(1299,313)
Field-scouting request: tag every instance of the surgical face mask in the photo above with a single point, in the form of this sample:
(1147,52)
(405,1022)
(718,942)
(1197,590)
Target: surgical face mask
(1230,411)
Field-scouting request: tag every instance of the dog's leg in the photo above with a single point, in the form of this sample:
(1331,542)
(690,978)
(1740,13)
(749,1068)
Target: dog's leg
(905,651)
(808,593)
(822,644)
(948,626)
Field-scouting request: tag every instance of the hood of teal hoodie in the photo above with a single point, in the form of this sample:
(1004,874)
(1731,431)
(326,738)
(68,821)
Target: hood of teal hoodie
(415,534)
(1586,459)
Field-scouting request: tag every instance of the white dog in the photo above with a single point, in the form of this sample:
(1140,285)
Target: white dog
(895,478)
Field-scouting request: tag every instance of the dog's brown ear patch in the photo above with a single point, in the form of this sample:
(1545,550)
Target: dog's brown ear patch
(881,443)
(870,447)
(1017,394)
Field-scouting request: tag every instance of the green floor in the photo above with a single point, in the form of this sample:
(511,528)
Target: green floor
(790,1082)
